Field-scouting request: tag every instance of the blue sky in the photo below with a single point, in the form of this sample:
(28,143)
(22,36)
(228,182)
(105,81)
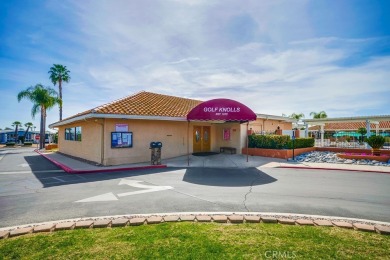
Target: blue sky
(276,56)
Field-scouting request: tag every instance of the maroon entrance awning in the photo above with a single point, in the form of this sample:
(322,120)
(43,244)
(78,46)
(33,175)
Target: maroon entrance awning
(221,110)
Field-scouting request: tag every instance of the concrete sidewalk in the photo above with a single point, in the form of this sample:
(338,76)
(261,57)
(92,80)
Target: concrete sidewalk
(71,165)
(238,161)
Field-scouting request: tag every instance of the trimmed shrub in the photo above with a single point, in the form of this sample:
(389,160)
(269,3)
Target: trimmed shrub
(27,143)
(278,142)
(376,141)
(301,143)
(268,141)
(10,144)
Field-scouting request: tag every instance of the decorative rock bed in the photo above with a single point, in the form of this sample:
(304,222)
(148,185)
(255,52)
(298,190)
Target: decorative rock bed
(330,157)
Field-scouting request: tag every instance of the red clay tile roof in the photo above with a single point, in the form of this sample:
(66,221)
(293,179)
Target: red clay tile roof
(146,104)
(383,125)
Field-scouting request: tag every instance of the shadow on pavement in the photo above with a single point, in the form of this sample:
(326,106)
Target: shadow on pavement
(50,175)
(227,177)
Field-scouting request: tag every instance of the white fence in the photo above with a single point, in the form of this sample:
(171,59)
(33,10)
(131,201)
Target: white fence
(357,145)
(328,143)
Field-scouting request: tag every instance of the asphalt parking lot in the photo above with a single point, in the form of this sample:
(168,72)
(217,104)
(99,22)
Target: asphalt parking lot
(34,190)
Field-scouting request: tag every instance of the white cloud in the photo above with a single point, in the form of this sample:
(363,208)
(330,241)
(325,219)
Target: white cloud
(197,49)
(184,60)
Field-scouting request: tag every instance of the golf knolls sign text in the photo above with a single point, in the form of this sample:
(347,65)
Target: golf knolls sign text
(221,110)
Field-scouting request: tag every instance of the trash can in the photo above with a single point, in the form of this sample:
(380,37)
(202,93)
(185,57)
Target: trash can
(155,148)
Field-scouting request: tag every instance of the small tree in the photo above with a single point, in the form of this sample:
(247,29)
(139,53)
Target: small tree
(296,116)
(321,114)
(16,124)
(362,131)
(55,138)
(376,142)
(28,125)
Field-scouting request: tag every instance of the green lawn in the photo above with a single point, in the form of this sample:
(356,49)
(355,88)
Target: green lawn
(200,241)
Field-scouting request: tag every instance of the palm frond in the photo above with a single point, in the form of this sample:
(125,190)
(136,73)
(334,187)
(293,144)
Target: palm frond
(25,94)
(35,109)
(59,73)
(16,123)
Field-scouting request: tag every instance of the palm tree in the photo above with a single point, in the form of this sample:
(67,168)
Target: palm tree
(321,114)
(28,125)
(296,116)
(59,73)
(43,98)
(7,128)
(16,124)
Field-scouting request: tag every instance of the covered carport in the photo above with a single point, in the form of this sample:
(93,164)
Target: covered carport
(217,111)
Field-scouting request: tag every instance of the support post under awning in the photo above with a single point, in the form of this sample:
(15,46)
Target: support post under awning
(247,141)
(188,143)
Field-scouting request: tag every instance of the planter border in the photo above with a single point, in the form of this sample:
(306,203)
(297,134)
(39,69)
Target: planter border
(380,227)
(277,153)
(287,153)
(364,157)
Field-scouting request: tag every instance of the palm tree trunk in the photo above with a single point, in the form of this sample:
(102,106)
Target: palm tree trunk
(25,134)
(60,92)
(42,130)
(16,134)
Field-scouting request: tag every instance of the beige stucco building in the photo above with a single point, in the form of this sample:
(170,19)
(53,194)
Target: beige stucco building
(120,132)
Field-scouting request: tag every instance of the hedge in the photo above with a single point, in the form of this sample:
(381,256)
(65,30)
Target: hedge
(10,144)
(269,141)
(27,143)
(301,143)
(278,142)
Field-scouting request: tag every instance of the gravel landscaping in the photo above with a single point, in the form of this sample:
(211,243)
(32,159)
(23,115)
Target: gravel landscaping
(330,157)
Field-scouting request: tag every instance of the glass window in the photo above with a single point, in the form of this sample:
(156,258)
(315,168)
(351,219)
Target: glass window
(78,133)
(73,134)
(68,133)
(197,136)
(121,139)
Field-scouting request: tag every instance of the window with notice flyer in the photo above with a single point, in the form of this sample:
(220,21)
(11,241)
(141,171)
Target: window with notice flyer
(121,139)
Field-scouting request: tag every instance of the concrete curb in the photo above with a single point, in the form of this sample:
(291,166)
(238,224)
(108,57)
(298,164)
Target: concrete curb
(329,169)
(67,169)
(201,217)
